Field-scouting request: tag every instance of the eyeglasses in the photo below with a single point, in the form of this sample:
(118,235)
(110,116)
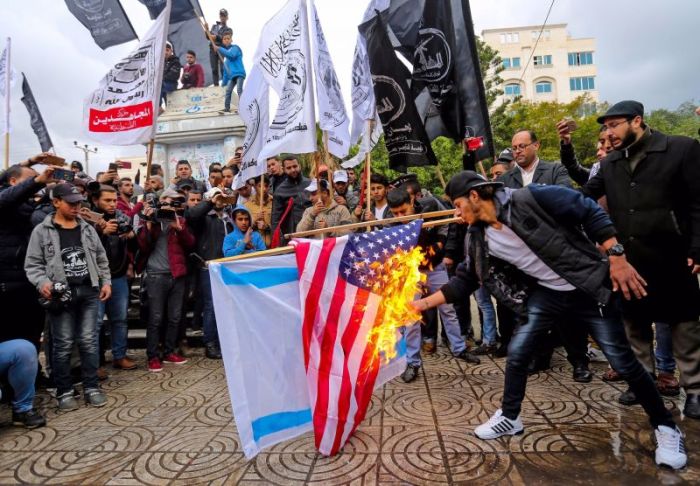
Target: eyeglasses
(613,125)
(521,147)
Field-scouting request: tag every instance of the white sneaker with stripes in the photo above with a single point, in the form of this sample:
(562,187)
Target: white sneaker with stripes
(670,447)
(498,426)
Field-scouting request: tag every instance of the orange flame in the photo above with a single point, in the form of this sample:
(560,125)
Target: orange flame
(398,280)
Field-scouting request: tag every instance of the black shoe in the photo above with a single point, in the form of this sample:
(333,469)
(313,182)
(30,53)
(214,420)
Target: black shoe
(537,365)
(501,352)
(484,349)
(628,398)
(213,351)
(582,374)
(410,373)
(30,419)
(692,406)
(468,357)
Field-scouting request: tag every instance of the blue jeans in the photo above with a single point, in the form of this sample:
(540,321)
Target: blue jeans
(116,308)
(549,308)
(436,278)
(483,300)
(236,82)
(18,359)
(211,335)
(77,323)
(665,361)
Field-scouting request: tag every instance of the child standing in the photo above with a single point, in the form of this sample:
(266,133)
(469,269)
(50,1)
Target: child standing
(242,239)
(234,72)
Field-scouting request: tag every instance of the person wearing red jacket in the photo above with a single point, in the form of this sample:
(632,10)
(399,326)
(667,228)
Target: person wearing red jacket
(192,72)
(164,241)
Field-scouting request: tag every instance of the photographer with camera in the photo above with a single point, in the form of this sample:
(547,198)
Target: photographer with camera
(67,263)
(23,317)
(211,221)
(164,242)
(118,239)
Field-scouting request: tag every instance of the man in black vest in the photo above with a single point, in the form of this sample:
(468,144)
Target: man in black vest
(652,185)
(529,169)
(521,246)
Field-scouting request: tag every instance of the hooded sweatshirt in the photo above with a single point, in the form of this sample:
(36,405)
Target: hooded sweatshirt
(234,244)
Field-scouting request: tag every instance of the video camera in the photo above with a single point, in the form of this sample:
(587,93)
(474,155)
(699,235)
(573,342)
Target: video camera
(123,227)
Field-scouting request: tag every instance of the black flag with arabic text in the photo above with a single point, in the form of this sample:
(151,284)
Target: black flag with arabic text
(404,133)
(185,31)
(35,118)
(105,19)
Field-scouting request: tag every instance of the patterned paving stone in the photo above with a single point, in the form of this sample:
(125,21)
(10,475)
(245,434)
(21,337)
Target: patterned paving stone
(176,427)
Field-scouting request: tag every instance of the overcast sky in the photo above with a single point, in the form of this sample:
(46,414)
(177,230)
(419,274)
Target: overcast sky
(645,51)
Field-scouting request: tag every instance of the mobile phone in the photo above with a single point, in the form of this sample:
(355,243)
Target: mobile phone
(54,160)
(113,166)
(64,175)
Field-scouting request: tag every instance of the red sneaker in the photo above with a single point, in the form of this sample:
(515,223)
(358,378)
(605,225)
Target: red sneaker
(174,358)
(154,365)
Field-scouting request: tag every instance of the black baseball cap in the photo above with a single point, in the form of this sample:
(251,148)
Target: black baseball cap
(67,192)
(465,181)
(627,108)
(223,12)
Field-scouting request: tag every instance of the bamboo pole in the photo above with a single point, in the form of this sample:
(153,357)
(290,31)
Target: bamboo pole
(438,172)
(381,222)
(283,250)
(8,75)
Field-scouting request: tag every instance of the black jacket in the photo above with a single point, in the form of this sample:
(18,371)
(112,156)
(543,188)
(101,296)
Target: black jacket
(171,72)
(208,229)
(16,208)
(578,173)
(119,249)
(548,219)
(656,210)
(290,188)
(549,173)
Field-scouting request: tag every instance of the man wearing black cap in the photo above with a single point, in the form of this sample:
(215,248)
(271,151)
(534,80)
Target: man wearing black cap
(217,31)
(67,264)
(520,246)
(652,185)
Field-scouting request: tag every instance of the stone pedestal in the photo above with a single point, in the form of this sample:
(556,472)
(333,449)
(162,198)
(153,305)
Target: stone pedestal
(195,128)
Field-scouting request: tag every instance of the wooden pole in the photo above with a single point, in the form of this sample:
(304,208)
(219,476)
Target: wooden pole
(438,172)
(8,75)
(262,185)
(368,172)
(381,222)
(149,158)
(329,162)
(481,169)
(282,250)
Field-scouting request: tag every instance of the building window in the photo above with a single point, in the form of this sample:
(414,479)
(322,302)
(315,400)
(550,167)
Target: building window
(510,38)
(513,62)
(543,87)
(512,89)
(545,60)
(585,83)
(580,58)
(536,33)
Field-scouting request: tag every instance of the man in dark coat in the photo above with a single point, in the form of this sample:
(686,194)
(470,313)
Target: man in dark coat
(23,317)
(652,185)
(529,169)
(290,199)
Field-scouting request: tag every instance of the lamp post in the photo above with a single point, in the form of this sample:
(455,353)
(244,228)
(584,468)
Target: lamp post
(87,151)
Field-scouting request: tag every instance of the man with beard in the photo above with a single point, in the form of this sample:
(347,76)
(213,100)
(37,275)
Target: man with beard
(126,193)
(652,185)
(290,199)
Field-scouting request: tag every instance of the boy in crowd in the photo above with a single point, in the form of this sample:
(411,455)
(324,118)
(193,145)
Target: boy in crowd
(378,188)
(325,212)
(164,243)
(192,73)
(243,239)
(262,214)
(194,197)
(68,265)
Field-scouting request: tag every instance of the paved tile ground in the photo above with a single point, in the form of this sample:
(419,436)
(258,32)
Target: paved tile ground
(176,427)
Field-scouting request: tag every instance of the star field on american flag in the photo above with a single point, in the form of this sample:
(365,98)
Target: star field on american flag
(365,253)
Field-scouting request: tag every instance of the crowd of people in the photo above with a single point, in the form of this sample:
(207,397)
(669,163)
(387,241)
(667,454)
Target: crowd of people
(226,61)
(552,243)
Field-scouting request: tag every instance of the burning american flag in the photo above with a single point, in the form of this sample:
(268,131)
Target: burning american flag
(355,296)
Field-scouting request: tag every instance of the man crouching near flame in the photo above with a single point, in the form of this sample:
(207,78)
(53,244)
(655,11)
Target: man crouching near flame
(526,247)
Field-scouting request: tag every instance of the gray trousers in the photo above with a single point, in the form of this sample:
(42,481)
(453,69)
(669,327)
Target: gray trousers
(686,349)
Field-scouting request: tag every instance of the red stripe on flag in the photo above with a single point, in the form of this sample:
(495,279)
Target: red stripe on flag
(313,294)
(301,252)
(347,342)
(328,354)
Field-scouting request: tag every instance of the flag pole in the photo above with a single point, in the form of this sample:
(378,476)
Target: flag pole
(368,172)
(149,158)
(328,160)
(438,172)
(8,74)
